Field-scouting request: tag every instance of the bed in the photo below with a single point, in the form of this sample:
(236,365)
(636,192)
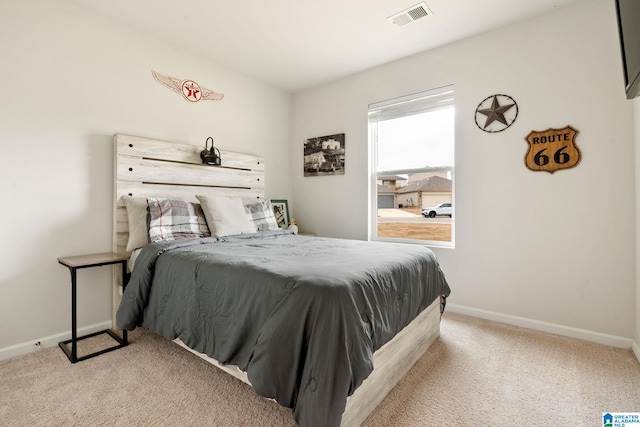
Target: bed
(323,326)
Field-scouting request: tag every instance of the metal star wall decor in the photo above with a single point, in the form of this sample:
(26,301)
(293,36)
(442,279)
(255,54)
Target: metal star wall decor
(496,113)
(190,90)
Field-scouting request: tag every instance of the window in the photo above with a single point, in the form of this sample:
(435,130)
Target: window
(411,140)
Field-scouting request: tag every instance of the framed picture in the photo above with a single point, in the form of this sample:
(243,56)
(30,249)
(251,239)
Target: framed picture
(324,155)
(281,211)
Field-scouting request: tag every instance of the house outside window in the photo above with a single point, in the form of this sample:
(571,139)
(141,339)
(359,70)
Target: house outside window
(411,141)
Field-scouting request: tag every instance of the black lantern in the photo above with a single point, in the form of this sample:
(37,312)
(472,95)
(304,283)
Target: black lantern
(209,156)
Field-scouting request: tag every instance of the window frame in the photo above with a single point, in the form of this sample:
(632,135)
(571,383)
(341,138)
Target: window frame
(374,174)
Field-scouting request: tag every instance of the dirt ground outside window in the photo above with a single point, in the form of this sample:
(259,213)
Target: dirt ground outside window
(413,230)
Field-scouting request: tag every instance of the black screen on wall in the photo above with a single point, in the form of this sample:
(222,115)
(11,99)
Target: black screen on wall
(629,30)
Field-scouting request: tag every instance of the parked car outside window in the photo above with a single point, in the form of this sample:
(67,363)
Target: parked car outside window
(441,209)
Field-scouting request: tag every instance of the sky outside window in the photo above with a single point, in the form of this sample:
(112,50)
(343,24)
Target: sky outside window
(427,136)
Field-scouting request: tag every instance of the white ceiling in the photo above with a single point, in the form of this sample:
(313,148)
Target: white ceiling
(297,44)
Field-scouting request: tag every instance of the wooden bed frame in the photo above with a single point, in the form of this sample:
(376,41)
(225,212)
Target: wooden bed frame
(149,167)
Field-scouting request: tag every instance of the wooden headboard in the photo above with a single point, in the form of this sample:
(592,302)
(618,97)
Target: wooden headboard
(150,167)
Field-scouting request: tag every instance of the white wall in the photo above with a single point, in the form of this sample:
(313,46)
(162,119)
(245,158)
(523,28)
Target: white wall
(70,80)
(552,251)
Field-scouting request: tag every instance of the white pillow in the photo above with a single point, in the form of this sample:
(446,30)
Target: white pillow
(137,219)
(226,215)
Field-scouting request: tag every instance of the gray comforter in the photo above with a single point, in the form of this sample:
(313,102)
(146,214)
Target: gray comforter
(301,315)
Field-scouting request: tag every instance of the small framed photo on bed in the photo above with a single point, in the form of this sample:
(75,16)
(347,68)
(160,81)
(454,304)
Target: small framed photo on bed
(281,211)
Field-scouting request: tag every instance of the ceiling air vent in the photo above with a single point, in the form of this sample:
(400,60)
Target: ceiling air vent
(409,15)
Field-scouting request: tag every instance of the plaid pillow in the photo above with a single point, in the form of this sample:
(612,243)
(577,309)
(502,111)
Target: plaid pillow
(175,219)
(262,215)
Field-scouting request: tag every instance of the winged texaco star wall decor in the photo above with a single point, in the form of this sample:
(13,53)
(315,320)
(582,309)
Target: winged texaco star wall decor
(190,90)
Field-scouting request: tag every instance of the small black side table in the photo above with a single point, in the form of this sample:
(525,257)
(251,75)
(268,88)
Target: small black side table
(85,261)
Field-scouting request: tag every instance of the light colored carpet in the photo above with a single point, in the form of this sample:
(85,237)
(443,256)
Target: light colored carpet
(477,373)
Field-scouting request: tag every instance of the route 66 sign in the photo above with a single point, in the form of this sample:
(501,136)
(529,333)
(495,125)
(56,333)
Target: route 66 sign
(552,149)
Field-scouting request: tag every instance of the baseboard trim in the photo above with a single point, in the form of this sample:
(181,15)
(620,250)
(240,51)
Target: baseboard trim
(636,349)
(50,341)
(552,328)
(597,337)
